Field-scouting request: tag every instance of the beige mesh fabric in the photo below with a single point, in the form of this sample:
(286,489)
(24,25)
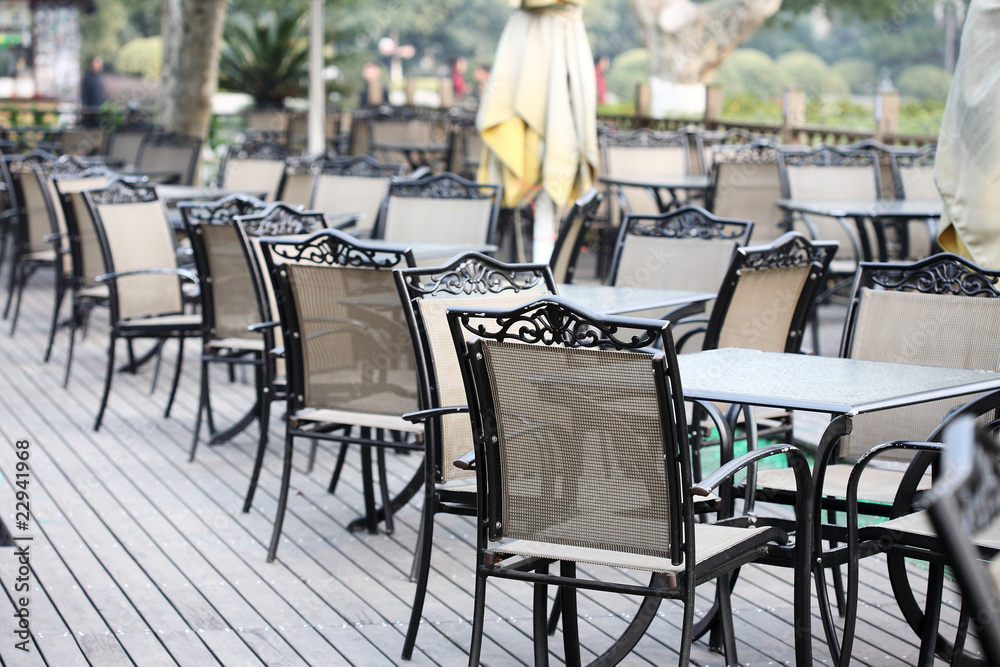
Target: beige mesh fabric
(350,194)
(140,237)
(941,330)
(170,159)
(69,186)
(81,140)
(411,219)
(36,210)
(234,300)
(748,192)
(760,313)
(561,266)
(834,182)
(681,264)
(918,182)
(253,175)
(298,189)
(581,447)
(90,245)
(645,161)
(878,485)
(919,523)
(125,146)
(356,348)
(456,431)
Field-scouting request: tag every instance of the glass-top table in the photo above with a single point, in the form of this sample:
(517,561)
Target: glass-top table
(655,183)
(625,300)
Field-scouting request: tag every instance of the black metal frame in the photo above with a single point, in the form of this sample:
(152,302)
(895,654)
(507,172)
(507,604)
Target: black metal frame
(555,321)
(686,222)
(646,138)
(197,215)
(364,166)
(465,275)
(443,186)
(328,247)
(257,146)
(758,151)
(172,140)
(276,220)
(574,229)
(123,192)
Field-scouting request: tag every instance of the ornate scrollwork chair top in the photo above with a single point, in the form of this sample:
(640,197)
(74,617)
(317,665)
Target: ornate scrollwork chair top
(354,185)
(144,281)
(348,350)
(228,297)
(614,486)
(427,292)
(299,179)
(257,164)
(442,208)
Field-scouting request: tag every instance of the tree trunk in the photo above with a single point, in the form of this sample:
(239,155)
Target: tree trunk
(192,33)
(687,41)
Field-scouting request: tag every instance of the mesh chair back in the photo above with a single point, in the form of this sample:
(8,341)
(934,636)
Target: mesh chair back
(84,242)
(766,296)
(169,152)
(33,212)
(444,208)
(69,182)
(256,165)
(581,445)
(136,234)
(229,299)
(687,249)
(913,173)
(347,344)
(354,185)
(299,180)
(644,153)
(942,312)
(124,146)
(746,184)
(81,140)
(571,235)
(470,281)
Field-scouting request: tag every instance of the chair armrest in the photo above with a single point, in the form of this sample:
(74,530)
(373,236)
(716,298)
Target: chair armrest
(688,335)
(467,461)
(277,352)
(183,273)
(49,238)
(727,470)
(421,416)
(260,326)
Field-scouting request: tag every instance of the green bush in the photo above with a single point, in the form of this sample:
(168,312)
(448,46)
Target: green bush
(810,73)
(860,74)
(925,82)
(921,116)
(628,70)
(751,72)
(749,108)
(142,57)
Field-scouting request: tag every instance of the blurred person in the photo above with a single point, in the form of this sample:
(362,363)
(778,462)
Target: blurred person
(458,66)
(371,75)
(601,66)
(92,94)
(481,77)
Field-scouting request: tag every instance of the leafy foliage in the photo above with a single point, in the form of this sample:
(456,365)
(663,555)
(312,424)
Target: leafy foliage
(808,72)
(926,82)
(265,56)
(751,71)
(114,23)
(628,70)
(860,74)
(142,57)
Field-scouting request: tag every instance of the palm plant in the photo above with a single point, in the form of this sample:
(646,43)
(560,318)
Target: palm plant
(265,56)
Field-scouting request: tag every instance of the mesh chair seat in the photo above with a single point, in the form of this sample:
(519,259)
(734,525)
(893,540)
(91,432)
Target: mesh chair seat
(95,292)
(191,322)
(878,485)
(364,419)
(710,540)
(39,256)
(919,524)
(248,344)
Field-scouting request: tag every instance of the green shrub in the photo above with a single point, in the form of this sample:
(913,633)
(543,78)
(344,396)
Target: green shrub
(628,70)
(749,108)
(752,72)
(810,73)
(860,74)
(142,57)
(921,116)
(925,82)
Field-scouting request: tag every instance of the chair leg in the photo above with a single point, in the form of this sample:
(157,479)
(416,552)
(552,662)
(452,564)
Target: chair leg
(556,612)
(571,630)
(265,420)
(286,481)
(335,477)
(73,321)
(202,399)
(420,571)
(313,446)
(541,619)
(177,375)
(383,485)
(838,578)
(156,368)
(20,294)
(478,616)
(12,280)
(723,589)
(60,293)
(107,382)
(932,614)
(368,484)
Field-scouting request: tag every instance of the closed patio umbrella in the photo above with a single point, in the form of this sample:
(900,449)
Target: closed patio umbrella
(538,116)
(967,169)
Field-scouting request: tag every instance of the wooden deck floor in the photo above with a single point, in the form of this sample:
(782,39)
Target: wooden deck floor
(139,557)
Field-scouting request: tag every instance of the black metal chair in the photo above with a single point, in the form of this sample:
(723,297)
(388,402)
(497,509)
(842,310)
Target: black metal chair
(572,234)
(144,281)
(614,485)
(228,302)
(255,165)
(348,352)
(964,503)
(354,186)
(467,280)
(169,157)
(443,208)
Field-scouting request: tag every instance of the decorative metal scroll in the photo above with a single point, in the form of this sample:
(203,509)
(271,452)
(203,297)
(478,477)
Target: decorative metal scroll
(259,146)
(332,249)
(759,151)
(797,251)
(304,165)
(172,140)
(944,275)
(121,192)
(924,158)
(828,156)
(472,276)
(551,322)
(363,166)
(222,211)
(283,220)
(645,139)
(689,222)
(443,186)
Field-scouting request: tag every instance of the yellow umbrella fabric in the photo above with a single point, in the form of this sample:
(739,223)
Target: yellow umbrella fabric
(967,168)
(538,116)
